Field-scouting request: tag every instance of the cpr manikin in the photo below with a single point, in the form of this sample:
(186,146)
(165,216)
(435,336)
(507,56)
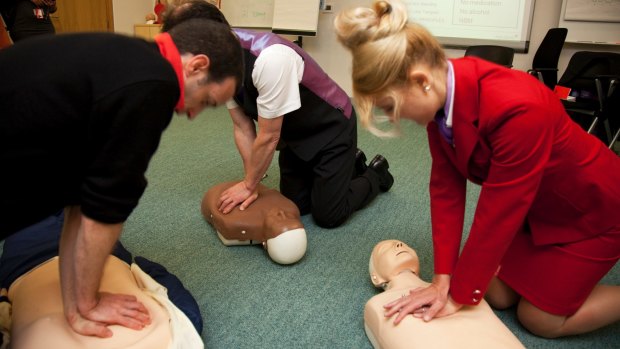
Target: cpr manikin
(272,220)
(38,321)
(394,267)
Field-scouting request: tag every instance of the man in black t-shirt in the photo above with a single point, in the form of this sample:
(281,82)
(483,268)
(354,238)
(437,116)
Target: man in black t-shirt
(81,115)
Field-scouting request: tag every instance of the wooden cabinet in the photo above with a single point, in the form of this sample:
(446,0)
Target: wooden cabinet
(146,31)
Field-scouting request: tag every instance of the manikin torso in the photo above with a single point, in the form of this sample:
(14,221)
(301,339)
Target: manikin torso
(250,226)
(272,220)
(38,321)
(475,327)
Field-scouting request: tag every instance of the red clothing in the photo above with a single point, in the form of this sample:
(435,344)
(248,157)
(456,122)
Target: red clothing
(169,50)
(535,165)
(558,278)
(159,10)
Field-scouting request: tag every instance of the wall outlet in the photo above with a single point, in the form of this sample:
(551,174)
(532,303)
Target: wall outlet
(327,7)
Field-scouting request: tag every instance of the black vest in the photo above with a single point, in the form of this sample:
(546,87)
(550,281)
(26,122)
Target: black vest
(319,120)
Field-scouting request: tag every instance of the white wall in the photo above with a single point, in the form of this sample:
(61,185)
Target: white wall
(337,61)
(326,49)
(129,12)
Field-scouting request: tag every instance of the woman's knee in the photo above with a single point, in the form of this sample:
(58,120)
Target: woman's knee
(501,296)
(540,322)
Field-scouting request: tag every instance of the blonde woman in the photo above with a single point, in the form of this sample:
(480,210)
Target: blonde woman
(546,228)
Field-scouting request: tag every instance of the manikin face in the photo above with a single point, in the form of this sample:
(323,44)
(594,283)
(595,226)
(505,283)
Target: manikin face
(285,237)
(278,221)
(391,257)
(201,93)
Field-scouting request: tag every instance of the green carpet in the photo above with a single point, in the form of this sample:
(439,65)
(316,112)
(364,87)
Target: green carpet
(248,301)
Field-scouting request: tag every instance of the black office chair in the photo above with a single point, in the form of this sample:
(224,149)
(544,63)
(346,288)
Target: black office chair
(497,54)
(545,62)
(594,79)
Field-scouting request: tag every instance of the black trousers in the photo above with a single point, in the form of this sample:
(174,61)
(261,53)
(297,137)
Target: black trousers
(326,186)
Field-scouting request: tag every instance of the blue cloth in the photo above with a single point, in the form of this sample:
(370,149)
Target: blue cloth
(37,243)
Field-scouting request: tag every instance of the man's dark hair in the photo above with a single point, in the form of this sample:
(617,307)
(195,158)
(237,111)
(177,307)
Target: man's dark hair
(214,39)
(191,9)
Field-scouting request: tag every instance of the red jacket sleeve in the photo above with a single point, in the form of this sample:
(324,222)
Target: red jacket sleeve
(521,143)
(447,194)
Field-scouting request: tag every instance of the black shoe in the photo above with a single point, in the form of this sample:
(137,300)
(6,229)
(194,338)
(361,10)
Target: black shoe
(380,166)
(360,163)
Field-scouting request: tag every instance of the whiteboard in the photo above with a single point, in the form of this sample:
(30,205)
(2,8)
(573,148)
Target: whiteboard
(461,23)
(591,29)
(248,13)
(296,17)
(592,10)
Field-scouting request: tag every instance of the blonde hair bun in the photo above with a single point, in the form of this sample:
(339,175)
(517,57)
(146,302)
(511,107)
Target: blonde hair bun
(357,26)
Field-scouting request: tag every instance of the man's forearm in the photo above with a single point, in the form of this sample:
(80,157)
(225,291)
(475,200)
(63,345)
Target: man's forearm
(85,246)
(262,154)
(244,134)
(244,143)
(262,150)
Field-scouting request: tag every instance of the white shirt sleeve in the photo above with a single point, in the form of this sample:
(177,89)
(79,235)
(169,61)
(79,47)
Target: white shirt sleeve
(276,75)
(231,104)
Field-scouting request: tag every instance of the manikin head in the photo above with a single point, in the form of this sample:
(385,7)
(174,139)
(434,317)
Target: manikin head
(390,258)
(288,242)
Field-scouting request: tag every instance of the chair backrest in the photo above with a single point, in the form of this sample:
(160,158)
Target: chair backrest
(548,54)
(497,54)
(594,79)
(584,67)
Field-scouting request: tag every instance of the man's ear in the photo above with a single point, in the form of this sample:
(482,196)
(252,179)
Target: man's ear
(197,64)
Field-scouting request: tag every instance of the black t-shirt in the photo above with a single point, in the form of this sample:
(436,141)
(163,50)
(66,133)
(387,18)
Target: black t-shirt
(80,117)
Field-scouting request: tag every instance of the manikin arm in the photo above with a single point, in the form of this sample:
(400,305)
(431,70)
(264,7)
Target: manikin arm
(84,246)
(256,162)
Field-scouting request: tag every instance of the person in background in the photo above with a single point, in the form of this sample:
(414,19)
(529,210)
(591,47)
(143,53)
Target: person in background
(159,9)
(80,132)
(546,227)
(304,114)
(28,18)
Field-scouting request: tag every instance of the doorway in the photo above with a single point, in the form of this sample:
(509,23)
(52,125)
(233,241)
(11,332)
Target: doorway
(83,16)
